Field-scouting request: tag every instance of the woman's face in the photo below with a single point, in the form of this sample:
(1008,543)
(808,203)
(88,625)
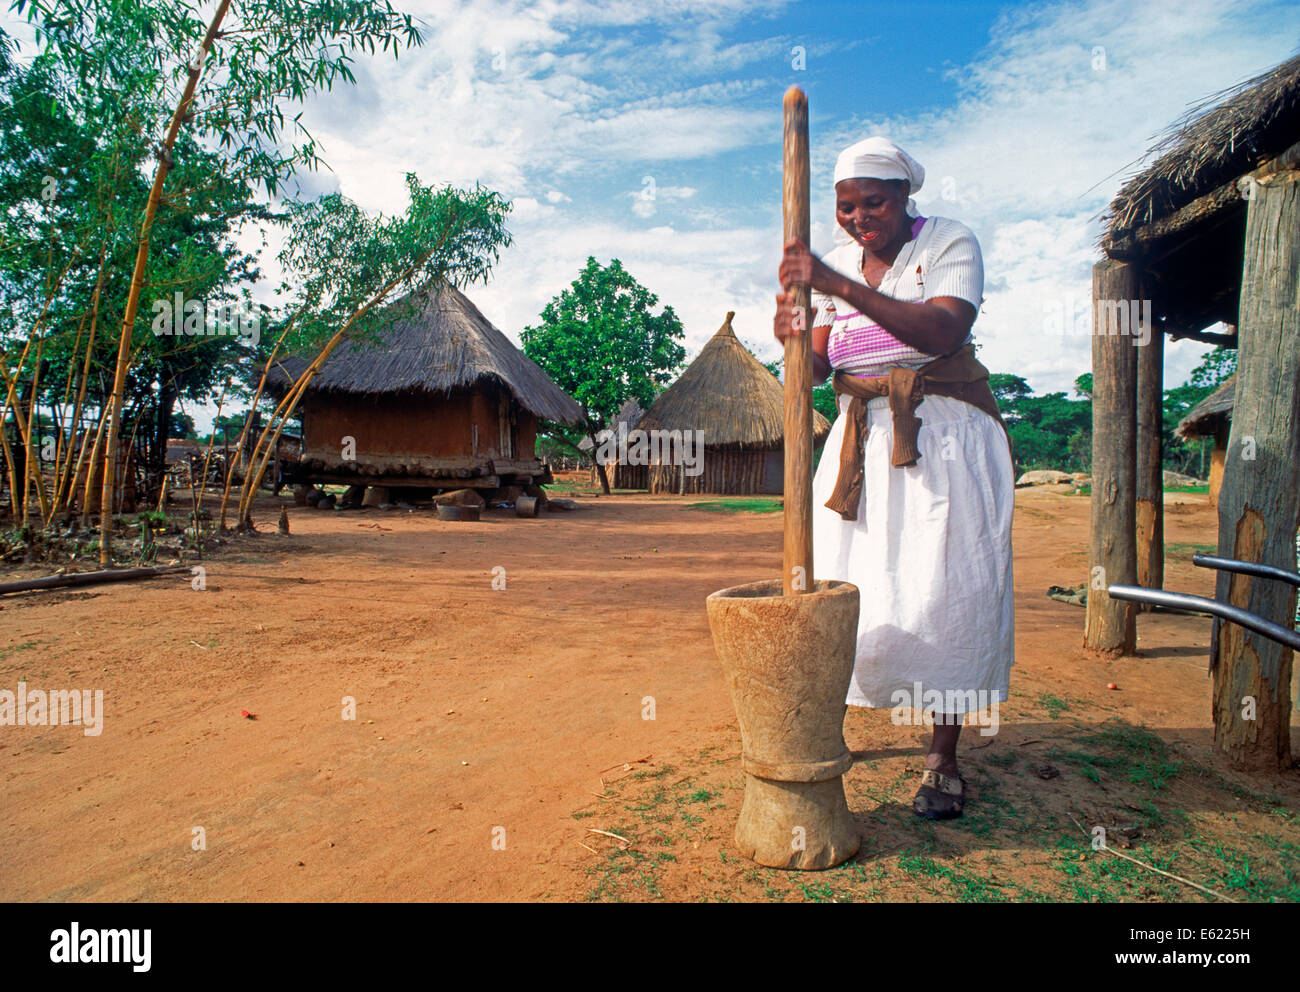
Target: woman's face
(873,211)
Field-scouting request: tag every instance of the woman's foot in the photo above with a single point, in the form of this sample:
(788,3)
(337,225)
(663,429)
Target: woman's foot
(943,791)
(942,795)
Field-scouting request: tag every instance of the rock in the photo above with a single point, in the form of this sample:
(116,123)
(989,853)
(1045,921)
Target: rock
(351,499)
(1172,479)
(1043,477)
(1074,595)
(452,511)
(376,496)
(460,497)
(561,505)
(313,496)
(326,502)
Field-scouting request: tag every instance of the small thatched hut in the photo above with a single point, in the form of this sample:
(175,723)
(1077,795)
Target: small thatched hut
(442,400)
(621,474)
(1212,417)
(729,395)
(1208,233)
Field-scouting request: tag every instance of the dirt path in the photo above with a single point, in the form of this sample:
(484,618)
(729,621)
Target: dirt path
(486,719)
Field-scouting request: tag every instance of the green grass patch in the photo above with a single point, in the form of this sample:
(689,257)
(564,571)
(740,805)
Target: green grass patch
(1054,705)
(739,504)
(1176,550)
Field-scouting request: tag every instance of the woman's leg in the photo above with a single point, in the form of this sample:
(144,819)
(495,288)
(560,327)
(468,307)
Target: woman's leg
(943,745)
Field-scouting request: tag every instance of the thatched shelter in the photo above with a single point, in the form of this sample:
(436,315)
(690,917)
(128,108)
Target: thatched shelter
(738,404)
(620,473)
(441,400)
(1208,233)
(1212,417)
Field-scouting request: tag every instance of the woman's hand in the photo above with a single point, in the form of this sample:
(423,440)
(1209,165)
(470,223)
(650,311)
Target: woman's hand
(800,267)
(786,322)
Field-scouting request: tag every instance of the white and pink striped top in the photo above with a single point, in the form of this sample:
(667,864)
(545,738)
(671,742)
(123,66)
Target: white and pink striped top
(942,259)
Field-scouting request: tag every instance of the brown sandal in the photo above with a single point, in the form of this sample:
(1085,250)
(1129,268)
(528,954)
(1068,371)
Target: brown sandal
(941,797)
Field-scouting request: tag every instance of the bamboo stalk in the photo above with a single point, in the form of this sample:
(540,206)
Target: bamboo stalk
(62,493)
(137,281)
(248,420)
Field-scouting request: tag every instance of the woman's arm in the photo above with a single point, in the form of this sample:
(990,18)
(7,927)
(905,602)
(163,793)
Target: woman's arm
(935,327)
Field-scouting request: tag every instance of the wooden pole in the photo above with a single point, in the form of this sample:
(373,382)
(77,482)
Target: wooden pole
(797,559)
(1259,499)
(1110,625)
(1150,489)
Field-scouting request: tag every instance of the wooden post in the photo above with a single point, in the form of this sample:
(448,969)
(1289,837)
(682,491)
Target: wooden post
(1150,489)
(797,574)
(1259,499)
(1110,624)
(1217,456)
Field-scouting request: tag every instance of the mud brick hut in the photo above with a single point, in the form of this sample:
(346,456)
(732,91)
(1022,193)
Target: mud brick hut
(442,400)
(1207,234)
(739,405)
(1212,417)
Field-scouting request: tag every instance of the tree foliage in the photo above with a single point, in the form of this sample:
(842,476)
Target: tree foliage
(602,343)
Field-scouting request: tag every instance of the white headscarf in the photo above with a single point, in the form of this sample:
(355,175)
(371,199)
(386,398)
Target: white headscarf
(880,158)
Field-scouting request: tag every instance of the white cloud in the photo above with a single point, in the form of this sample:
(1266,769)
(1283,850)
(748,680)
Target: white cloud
(1039,142)
(646,199)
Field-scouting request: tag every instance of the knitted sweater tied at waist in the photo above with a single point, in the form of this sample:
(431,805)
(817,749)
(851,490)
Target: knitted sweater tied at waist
(958,376)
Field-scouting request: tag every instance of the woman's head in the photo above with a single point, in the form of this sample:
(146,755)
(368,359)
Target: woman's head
(873,211)
(873,180)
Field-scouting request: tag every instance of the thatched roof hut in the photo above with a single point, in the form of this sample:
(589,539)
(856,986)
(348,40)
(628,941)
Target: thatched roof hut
(441,399)
(446,344)
(1210,415)
(1208,233)
(738,404)
(1185,213)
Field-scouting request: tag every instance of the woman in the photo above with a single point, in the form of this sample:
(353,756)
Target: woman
(915,512)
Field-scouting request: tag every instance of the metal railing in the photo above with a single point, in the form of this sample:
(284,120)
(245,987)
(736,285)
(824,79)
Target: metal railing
(1184,603)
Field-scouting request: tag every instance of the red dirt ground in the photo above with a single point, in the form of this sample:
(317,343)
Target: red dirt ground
(521,709)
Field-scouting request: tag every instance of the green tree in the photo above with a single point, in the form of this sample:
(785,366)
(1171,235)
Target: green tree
(176,82)
(1213,370)
(602,344)
(1051,431)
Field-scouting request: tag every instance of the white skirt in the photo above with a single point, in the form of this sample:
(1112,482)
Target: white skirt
(930,554)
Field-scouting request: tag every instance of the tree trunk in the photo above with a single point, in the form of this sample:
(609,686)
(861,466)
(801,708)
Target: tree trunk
(1259,500)
(158,456)
(1110,625)
(1150,489)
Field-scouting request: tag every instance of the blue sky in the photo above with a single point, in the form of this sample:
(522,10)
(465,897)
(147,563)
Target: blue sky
(1026,117)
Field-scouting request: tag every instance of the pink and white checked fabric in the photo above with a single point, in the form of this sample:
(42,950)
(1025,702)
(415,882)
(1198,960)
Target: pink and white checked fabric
(939,261)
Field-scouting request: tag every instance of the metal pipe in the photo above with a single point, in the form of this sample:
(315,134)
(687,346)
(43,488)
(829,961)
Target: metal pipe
(1185,603)
(1247,568)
